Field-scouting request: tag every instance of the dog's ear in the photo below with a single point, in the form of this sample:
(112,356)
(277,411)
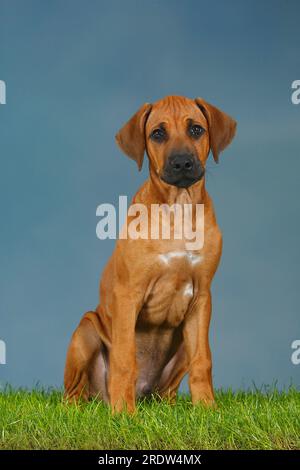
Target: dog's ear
(221,127)
(131,137)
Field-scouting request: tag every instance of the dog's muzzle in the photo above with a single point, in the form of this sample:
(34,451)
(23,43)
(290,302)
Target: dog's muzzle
(182,170)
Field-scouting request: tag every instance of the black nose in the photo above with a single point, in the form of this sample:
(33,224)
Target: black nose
(181,163)
(182,169)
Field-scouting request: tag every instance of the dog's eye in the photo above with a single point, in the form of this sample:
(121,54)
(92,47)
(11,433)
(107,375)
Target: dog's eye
(158,134)
(196,130)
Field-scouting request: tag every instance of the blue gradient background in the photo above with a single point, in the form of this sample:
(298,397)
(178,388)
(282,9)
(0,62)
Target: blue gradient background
(75,72)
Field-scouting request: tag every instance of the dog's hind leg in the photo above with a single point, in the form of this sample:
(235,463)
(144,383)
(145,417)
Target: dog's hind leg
(86,364)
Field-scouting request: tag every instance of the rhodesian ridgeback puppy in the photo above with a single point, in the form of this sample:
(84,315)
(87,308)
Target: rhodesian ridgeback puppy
(151,325)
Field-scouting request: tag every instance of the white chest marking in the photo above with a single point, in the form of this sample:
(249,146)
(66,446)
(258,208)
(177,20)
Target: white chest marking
(192,258)
(188,290)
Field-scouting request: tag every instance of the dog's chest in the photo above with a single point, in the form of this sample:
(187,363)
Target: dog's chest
(172,292)
(183,259)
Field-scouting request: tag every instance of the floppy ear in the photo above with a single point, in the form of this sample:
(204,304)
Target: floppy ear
(131,137)
(221,127)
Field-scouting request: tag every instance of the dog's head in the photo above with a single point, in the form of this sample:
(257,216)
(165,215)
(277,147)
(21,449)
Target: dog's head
(177,134)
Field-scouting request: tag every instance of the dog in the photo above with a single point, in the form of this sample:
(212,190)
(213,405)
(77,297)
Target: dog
(151,326)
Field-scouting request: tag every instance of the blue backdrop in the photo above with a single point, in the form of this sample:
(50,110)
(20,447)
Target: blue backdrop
(75,71)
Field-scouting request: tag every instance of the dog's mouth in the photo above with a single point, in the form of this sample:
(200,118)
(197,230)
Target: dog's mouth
(184,181)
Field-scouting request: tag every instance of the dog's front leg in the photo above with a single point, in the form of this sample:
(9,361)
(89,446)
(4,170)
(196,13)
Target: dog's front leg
(196,340)
(122,360)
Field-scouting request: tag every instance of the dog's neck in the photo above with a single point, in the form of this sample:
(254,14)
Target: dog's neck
(163,193)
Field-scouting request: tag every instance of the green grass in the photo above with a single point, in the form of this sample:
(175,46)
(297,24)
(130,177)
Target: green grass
(243,420)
